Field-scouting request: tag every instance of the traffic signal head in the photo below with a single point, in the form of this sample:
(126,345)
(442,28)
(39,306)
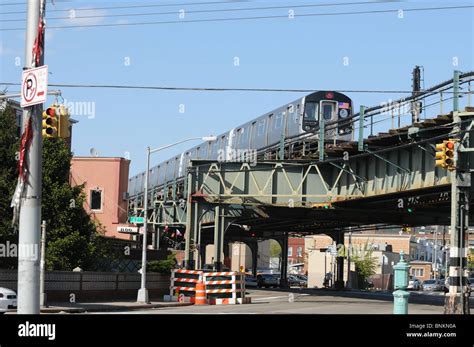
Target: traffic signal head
(445,155)
(50,122)
(450,155)
(64,122)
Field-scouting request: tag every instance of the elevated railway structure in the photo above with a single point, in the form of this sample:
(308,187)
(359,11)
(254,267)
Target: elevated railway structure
(311,185)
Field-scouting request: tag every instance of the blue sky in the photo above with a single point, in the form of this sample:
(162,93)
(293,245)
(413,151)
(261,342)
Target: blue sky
(300,53)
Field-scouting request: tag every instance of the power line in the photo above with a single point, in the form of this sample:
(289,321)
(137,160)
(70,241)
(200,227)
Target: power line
(253,18)
(211,89)
(135,6)
(204,11)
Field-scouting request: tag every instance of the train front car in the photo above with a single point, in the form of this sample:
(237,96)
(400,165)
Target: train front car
(332,107)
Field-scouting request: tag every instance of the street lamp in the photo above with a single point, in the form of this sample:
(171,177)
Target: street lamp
(143,292)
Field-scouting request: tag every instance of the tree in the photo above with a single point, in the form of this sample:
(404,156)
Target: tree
(9,143)
(73,239)
(275,251)
(365,265)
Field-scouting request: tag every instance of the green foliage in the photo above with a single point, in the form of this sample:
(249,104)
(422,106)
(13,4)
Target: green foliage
(9,143)
(365,266)
(73,239)
(162,266)
(275,249)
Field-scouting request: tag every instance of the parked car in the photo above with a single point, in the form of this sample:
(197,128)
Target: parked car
(250,281)
(303,278)
(414,283)
(7,300)
(268,280)
(432,285)
(294,281)
(470,283)
(210,267)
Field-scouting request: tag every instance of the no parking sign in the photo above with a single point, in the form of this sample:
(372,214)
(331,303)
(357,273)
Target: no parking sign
(34,86)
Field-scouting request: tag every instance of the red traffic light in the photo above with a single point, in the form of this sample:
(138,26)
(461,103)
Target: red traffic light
(51,111)
(450,144)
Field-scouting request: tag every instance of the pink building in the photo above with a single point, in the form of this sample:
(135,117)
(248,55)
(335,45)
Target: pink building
(106,185)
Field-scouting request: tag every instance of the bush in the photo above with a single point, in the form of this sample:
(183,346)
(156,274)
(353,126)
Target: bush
(162,266)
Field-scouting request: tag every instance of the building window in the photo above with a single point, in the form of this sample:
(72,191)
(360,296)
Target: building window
(290,251)
(96,199)
(418,272)
(299,252)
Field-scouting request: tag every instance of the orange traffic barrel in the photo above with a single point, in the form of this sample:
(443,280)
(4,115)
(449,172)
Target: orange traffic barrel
(200,294)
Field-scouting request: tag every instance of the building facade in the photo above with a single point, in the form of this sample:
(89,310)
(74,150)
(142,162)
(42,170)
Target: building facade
(105,184)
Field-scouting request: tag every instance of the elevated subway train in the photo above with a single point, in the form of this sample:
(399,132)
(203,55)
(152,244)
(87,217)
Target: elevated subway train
(300,117)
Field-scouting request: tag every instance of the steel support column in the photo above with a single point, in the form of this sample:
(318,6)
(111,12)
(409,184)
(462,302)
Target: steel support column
(202,255)
(457,301)
(284,261)
(218,237)
(254,248)
(339,283)
(190,227)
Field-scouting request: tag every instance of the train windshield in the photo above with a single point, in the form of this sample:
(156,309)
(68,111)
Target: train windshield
(311,111)
(327,110)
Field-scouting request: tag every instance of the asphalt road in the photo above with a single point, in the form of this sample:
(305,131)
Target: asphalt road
(277,302)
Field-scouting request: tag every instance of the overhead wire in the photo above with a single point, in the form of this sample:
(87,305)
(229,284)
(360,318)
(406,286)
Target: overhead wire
(234,19)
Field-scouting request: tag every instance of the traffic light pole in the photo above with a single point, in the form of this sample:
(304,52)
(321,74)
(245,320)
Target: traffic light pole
(30,211)
(457,302)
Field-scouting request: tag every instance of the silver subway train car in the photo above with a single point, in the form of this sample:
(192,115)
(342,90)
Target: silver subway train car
(298,119)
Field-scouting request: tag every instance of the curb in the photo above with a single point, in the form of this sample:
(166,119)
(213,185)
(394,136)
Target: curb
(109,309)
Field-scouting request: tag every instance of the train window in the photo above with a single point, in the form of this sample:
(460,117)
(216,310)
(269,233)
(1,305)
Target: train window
(261,127)
(327,110)
(244,138)
(279,120)
(311,111)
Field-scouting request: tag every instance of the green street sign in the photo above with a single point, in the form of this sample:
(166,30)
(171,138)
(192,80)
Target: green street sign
(137,220)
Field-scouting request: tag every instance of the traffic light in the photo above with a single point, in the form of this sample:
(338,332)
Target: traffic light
(445,155)
(64,122)
(324,205)
(50,122)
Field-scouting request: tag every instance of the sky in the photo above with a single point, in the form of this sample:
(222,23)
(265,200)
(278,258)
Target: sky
(374,51)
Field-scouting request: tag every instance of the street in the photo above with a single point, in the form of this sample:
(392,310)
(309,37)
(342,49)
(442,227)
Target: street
(277,302)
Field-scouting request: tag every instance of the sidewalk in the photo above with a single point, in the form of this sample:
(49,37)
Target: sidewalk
(83,307)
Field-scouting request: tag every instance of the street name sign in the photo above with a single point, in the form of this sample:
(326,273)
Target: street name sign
(137,220)
(127,230)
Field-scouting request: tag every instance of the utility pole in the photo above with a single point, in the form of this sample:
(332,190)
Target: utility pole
(142,295)
(42,264)
(30,210)
(416,85)
(457,302)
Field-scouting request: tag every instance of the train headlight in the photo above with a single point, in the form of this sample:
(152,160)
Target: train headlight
(343,113)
